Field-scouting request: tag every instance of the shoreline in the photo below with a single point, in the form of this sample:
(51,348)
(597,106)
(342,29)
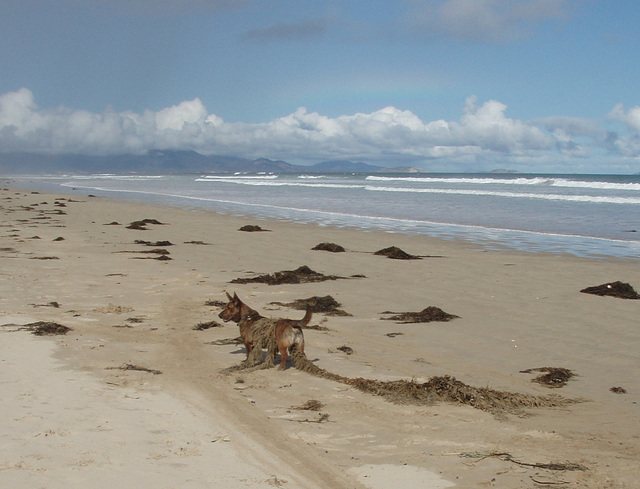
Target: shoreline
(485,237)
(516,311)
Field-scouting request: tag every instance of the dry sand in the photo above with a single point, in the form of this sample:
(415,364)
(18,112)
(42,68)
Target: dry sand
(75,414)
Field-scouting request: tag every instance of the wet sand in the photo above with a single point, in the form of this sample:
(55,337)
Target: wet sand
(134,394)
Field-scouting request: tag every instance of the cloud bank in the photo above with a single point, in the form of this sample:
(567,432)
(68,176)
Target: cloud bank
(484,135)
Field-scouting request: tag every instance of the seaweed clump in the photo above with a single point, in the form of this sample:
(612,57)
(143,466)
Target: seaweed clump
(310,405)
(206,325)
(332,247)
(427,315)
(46,328)
(617,289)
(555,377)
(396,253)
(142,225)
(252,228)
(300,275)
(326,305)
(150,243)
(436,389)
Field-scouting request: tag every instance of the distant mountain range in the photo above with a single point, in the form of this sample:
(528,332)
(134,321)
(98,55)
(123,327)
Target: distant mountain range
(170,161)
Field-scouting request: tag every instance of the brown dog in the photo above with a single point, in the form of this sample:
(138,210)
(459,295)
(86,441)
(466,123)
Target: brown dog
(288,331)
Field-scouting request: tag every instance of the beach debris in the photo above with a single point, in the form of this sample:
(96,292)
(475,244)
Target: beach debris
(53,304)
(163,255)
(396,253)
(310,405)
(155,251)
(161,258)
(345,349)
(113,309)
(326,305)
(59,238)
(215,303)
(436,389)
(207,325)
(46,328)
(252,228)
(275,482)
(555,377)
(197,243)
(393,335)
(427,315)
(617,289)
(153,243)
(507,457)
(129,366)
(41,328)
(332,247)
(44,258)
(113,223)
(142,225)
(618,390)
(300,275)
(322,417)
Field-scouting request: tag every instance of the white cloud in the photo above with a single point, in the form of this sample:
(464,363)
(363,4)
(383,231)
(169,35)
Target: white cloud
(488,127)
(176,117)
(483,133)
(628,145)
(631,118)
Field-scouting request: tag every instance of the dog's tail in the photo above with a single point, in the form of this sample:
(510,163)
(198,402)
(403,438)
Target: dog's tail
(307,317)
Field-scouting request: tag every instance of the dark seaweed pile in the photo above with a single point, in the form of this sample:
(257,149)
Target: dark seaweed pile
(332,247)
(427,315)
(617,289)
(300,275)
(554,377)
(326,305)
(396,254)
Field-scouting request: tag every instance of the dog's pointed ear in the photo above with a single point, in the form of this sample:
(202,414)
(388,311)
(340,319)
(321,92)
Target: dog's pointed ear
(235,297)
(230,298)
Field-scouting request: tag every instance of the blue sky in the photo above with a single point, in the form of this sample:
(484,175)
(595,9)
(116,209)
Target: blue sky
(447,85)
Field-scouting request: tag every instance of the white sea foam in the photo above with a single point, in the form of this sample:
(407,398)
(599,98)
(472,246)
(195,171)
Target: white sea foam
(541,181)
(217,178)
(515,195)
(258,182)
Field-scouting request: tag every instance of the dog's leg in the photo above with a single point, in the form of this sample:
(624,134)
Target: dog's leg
(283,357)
(248,345)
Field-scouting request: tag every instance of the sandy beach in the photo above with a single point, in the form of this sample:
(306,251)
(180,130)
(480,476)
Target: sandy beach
(134,395)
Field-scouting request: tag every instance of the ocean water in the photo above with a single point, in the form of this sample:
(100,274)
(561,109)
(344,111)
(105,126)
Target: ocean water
(584,215)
